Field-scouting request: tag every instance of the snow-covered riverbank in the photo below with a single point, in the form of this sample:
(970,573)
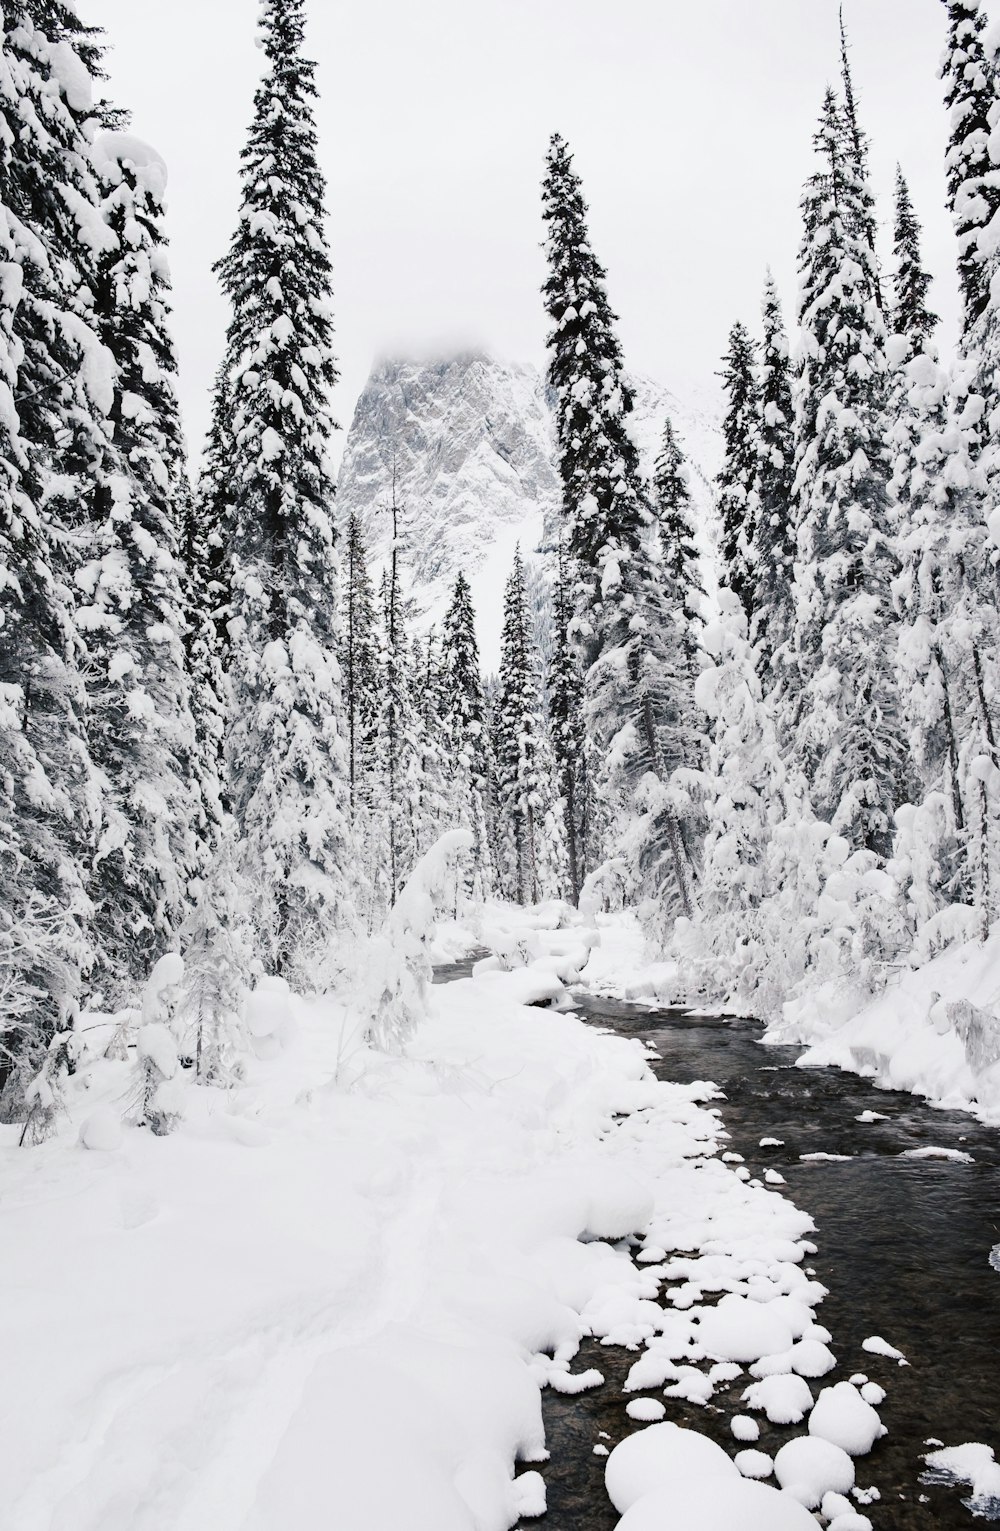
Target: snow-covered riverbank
(337,1290)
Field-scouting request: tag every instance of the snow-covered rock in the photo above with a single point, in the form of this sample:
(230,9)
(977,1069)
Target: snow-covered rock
(842,1416)
(662,1455)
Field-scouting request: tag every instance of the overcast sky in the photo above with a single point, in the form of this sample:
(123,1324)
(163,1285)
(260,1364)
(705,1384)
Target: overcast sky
(690,120)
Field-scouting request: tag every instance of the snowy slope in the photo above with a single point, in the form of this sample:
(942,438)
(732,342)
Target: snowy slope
(474,447)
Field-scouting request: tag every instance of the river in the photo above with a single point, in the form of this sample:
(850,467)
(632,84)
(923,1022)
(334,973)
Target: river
(904,1249)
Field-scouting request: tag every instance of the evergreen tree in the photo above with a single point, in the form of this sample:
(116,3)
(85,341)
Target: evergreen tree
(773,554)
(856,154)
(911,316)
(286,752)
(466,734)
(141,727)
(533,858)
(675,530)
(737,480)
(845,723)
(973,186)
(564,697)
(56,391)
(359,663)
(630,693)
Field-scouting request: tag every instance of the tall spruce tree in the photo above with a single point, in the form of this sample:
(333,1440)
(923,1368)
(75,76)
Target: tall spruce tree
(532,863)
(627,695)
(141,726)
(973,186)
(673,513)
(845,721)
(911,315)
(564,699)
(737,481)
(286,753)
(774,540)
(857,154)
(57,389)
(359,663)
(466,733)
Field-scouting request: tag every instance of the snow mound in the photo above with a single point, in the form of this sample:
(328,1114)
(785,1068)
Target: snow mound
(648,1410)
(102,1130)
(877,1346)
(660,1455)
(842,1416)
(754,1464)
(737,1329)
(809,1468)
(738,1505)
(784,1399)
(744,1428)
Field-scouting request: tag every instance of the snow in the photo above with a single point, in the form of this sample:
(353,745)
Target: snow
(877,1346)
(738,1505)
(935,1032)
(354,1257)
(661,1455)
(785,1399)
(102,1130)
(737,1329)
(809,1468)
(744,1428)
(842,1416)
(754,1464)
(974,1464)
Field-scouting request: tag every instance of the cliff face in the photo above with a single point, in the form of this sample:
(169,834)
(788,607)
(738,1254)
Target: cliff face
(472,440)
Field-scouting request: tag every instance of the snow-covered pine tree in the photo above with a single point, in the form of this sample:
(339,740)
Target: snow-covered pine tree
(140,721)
(56,388)
(675,531)
(359,663)
(973,184)
(533,864)
(466,734)
(431,800)
(911,315)
(737,496)
(630,693)
(286,752)
(774,542)
(857,152)
(397,747)
(846,724)
(564,699)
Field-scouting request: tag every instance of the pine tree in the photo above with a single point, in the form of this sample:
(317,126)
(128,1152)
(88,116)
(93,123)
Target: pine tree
(845,722)
(564,697)
(856,153)
(55,391)
(286,753)
(673,514)
(973,187)
(737,480)
(466,733)
(618,599)
(141,727)
(359,663)
(774,544)
(910,282)
(532,867)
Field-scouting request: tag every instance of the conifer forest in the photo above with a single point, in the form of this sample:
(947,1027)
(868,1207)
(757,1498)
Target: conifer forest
(500,904)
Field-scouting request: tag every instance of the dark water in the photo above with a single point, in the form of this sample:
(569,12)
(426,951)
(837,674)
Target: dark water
(903,1248)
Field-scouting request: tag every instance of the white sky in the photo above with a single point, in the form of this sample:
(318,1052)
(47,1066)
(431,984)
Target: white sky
(691,123)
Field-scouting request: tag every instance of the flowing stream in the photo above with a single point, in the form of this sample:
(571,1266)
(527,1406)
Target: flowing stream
(904,1248)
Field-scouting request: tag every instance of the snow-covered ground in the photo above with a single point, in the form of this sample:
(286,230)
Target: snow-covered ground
(333,1294)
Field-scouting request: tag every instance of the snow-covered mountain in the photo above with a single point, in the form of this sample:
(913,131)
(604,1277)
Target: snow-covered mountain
(472,439)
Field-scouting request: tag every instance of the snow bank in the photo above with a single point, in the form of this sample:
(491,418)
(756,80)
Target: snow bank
(935,1031)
